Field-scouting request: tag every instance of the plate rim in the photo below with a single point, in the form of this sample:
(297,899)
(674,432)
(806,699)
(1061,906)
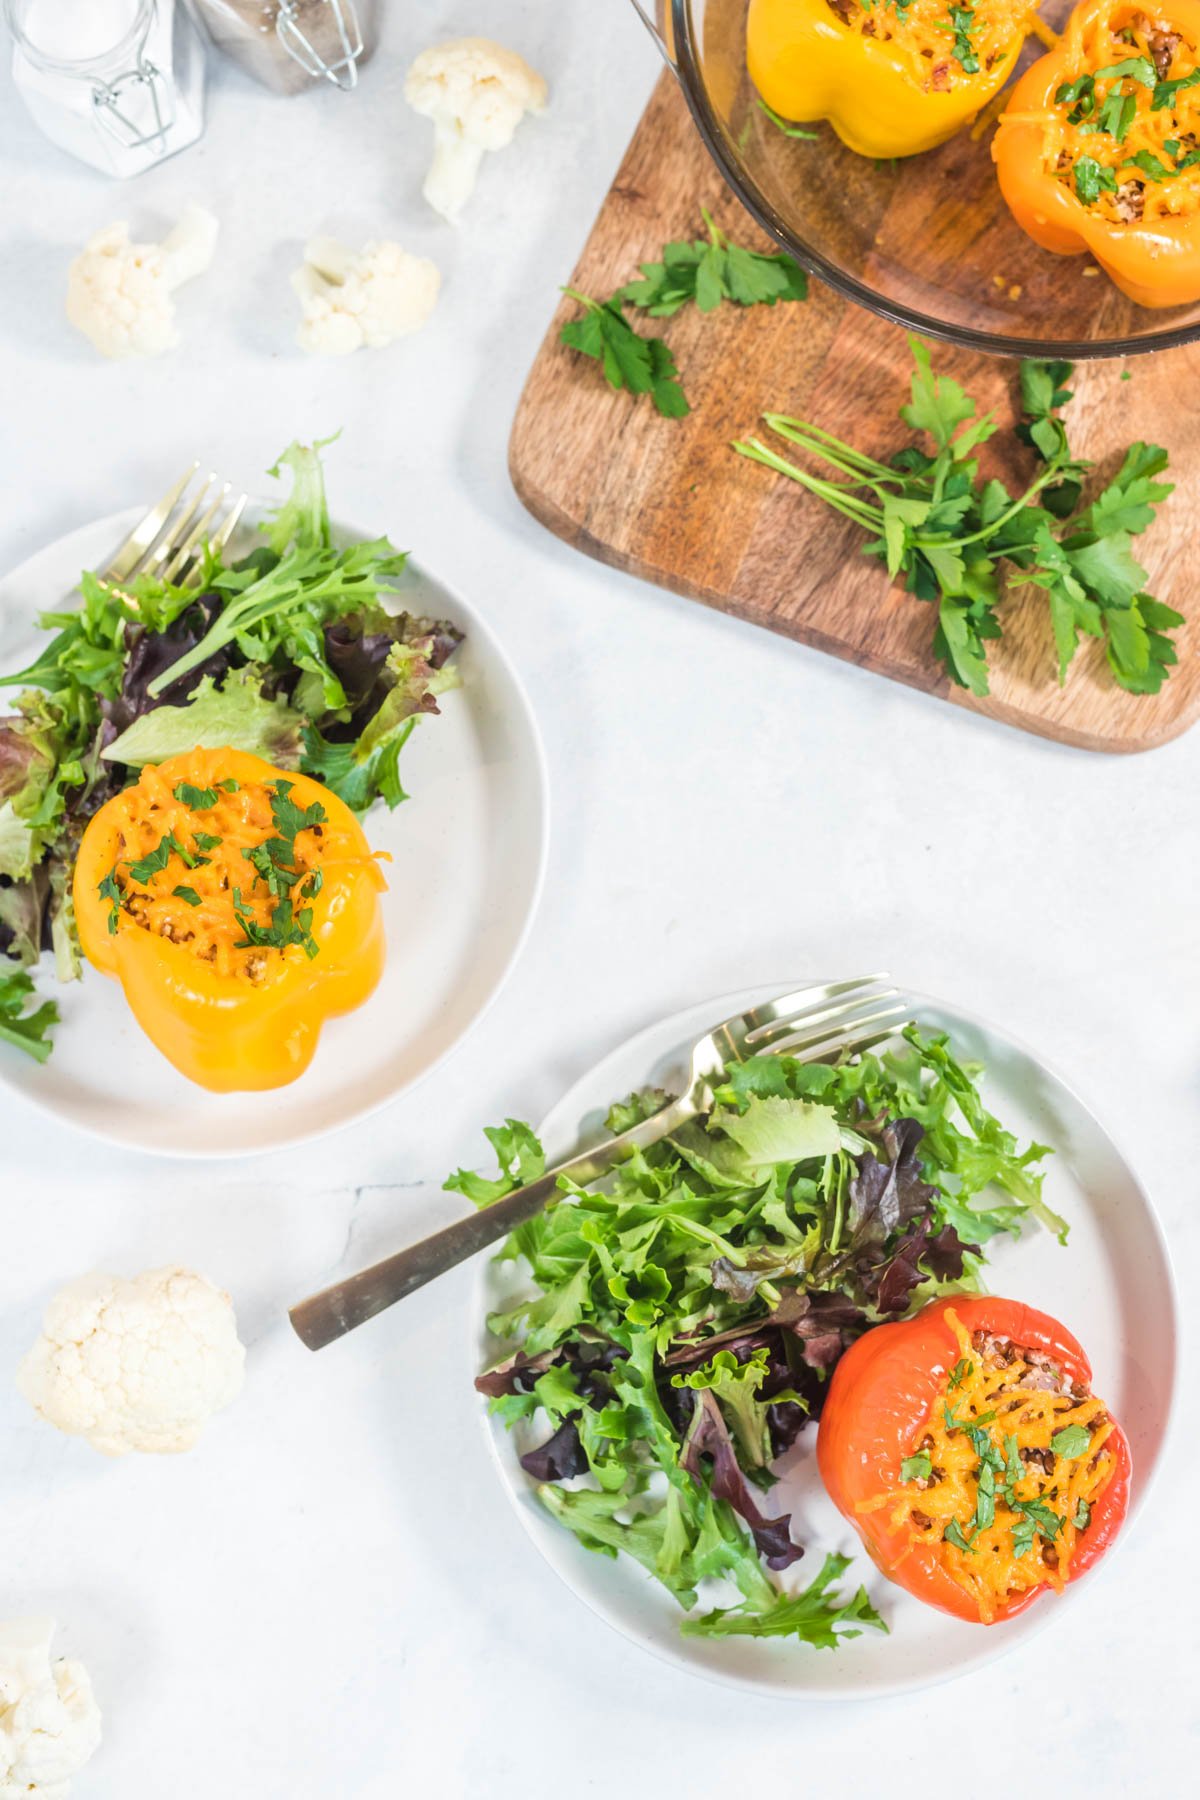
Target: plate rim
(481,631)
(533,1524)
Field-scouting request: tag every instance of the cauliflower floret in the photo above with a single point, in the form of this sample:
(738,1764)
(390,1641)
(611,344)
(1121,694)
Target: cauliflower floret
(350,301)
(476,92)
(119,294)
(49,1722)
(135,1365)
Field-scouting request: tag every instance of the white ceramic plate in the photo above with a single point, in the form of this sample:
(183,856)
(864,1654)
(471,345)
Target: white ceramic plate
(469,853)
(1112,1286)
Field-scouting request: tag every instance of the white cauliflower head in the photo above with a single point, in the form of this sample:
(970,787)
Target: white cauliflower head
(49,1721)
(476,92)
(135,1365)
(119,293)
(366,300)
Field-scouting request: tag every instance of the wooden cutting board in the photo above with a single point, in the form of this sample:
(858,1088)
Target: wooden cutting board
(669,501)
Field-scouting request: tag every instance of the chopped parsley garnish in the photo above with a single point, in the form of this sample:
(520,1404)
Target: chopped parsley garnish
(1044,1517)
(962,18)
(1072,1441)
(985,1499)
(1092,180)
(290,819)
(1036,1518)
(206,841)
(953,1534)
(1014,1468)
(1023,1534)
(229,784)
(1134,68)
(1165,91)
(1080,96)
(188,894)
(1083,1516)
(917,1468)
(197,799)
(960,1372)
(1116,116)
(156,861)
(274,862)
(987,1452)
(285,928)
(1150,165)
(108,890)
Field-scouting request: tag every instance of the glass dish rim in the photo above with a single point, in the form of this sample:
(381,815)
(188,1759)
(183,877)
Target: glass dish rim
(686,68)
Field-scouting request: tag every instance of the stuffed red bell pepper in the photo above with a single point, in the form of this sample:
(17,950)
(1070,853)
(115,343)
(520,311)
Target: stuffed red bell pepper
(968,1451)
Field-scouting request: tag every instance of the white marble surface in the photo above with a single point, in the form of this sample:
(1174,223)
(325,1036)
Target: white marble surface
(331,1597)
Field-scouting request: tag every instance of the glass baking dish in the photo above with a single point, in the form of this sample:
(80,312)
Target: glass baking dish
(926,241)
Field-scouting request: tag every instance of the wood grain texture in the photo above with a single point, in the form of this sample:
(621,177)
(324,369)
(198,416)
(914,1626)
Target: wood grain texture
(669,501)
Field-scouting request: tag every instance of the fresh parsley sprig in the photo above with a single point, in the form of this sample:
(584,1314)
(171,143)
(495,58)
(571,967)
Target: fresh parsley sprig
(952,537)
(703,273)
(642,365)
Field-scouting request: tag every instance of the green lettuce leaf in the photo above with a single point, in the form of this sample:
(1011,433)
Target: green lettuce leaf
(26,1031)
(782,1131)
(19,846)
(235,714)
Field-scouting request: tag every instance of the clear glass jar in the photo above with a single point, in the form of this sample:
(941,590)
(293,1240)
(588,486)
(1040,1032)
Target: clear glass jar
(117,83)
(290,44)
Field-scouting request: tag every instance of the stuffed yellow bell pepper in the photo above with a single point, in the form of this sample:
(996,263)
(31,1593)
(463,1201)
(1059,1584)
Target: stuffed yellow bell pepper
(892,79)
(238,905)
(1099,147)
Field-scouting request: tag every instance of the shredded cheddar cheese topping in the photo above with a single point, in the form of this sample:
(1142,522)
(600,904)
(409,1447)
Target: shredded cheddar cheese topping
(210,869)
(942,44)
(1004,1472)
(1124,131)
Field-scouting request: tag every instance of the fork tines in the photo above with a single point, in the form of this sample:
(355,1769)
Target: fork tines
(819,1023)
(170,539)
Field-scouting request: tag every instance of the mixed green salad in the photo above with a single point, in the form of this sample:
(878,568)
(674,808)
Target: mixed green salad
(687,1315)
(295,652)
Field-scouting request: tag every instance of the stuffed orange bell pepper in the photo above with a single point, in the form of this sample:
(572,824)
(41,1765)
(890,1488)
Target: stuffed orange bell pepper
(967,1450)
(238,905)
(892,79)
(1099,147)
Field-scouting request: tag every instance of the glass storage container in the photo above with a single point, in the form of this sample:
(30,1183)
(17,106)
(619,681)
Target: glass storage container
(290,44)
(919,240)
(117,83)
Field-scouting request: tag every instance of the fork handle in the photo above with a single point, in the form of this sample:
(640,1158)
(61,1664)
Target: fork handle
(329,1315)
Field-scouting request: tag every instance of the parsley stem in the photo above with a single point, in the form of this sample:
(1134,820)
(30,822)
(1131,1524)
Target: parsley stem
(714,230)
(798,431)
(871,517)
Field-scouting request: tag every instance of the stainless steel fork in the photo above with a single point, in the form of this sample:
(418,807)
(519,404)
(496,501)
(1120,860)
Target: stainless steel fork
(815,1023)
(168,542)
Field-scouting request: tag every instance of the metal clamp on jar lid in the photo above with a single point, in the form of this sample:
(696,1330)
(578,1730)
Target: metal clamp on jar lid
(116,82)
(288,44)
(343,69)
